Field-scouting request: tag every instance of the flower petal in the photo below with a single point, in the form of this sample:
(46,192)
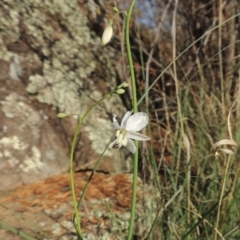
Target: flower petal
(115,122)
(137,122)
(107,34)
(114,144)
(137,136)
(131,146)
(125,118)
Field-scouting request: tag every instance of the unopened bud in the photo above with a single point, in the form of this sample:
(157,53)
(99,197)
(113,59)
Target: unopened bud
(122,85)
(125,84)
(120,91)
(107,34)
(115,9)
(62,115)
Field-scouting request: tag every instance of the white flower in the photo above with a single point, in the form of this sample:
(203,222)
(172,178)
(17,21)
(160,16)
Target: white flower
(128,130)
(107,34)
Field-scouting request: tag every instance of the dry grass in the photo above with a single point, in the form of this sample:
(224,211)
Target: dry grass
(189,102)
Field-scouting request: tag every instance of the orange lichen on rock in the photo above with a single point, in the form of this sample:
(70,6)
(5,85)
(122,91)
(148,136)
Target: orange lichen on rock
(56,190)
(107,195)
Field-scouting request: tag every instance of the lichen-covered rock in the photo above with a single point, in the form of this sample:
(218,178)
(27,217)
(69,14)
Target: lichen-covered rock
(104,212)
(29,149)
(58,32)
(51,49)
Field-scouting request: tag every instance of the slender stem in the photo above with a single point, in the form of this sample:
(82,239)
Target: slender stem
(135,109)
(220,57)
(92,173)
(16,231)
(221,195)
(28,222)
(129,53)
(76,218)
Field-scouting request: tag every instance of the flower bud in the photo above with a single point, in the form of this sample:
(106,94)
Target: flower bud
(107,34)
(62,115)
(125,84)
(115,9)
(120,91)
(122,85)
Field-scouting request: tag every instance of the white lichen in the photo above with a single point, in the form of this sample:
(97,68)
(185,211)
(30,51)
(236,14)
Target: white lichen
(50,154)
(33,162)
(7,154)
(68,58)
(13,142)
(13,162)
(14,106)
(39,83)
(68,225)
(56,228)
(99,142)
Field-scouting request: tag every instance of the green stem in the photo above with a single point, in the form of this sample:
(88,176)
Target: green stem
(76,219)
(92,173)
(129,53)
(221,195)
(16,231)
(135,109)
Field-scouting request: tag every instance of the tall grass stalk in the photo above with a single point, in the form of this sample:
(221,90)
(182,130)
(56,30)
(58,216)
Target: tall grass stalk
(135,109)
(220,9)
(221,195)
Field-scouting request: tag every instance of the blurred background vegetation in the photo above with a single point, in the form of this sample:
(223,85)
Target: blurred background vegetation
(188,52)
